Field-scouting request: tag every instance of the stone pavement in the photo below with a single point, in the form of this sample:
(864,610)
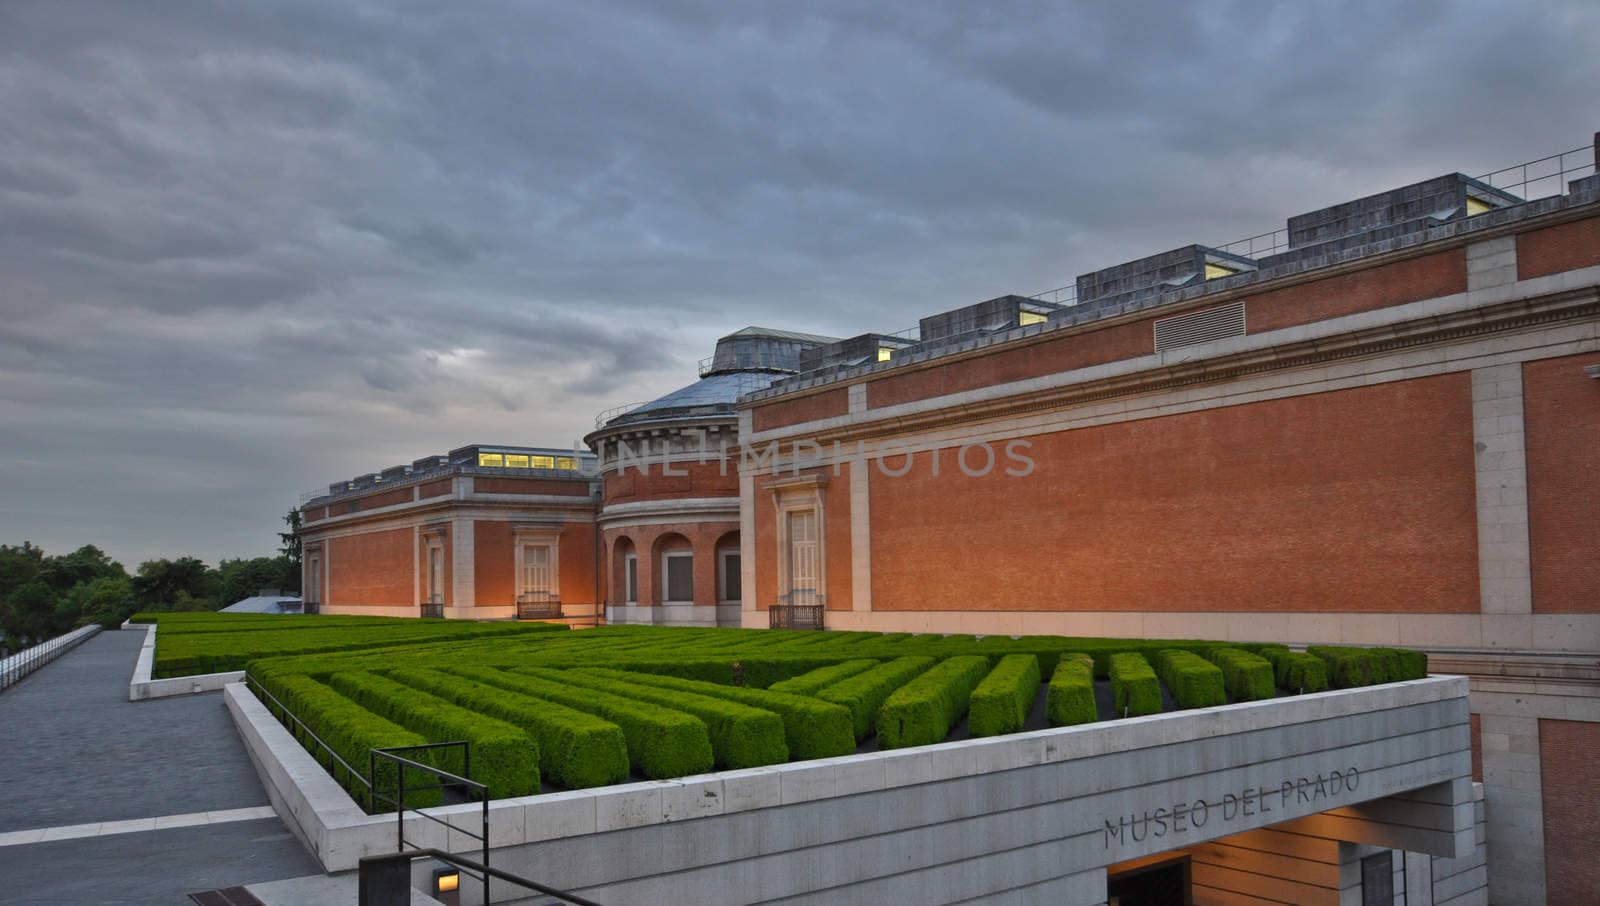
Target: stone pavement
(81,762)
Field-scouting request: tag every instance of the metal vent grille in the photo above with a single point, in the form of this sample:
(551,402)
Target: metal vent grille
(1200,327)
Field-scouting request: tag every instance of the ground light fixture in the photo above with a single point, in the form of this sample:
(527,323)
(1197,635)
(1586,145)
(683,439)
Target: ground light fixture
(447,886)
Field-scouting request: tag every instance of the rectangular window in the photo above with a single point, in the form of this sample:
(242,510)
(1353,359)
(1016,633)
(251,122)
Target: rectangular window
(728,561)
(1476,206)
(631,572)
(536,569)
(544,462)
(678,569)
(516,461)
(1031,317)
(566,462)
(491,460)
(1213,271)
(885,353)
(803,557)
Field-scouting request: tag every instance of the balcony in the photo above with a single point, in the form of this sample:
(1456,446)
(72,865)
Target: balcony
(538,605)
(802,608)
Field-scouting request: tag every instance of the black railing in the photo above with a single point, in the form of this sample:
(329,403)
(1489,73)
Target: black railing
(433,607)
(538,605)
(799,609)
(445,781)
(383,880)
(301,732)
(14,667)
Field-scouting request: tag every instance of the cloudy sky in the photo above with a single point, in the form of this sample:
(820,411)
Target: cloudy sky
(250,248)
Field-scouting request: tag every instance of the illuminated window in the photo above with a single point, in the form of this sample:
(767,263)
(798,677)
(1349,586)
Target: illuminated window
(494,460)
(1031,317)
(566,462)
(544,462)
(1213,271)
(516,461)
(1477,206)
(885,353)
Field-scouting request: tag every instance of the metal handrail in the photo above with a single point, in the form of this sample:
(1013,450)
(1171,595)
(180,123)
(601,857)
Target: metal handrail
(370,864)
(446,780)
(1560,172)
(260,690)
(15,667)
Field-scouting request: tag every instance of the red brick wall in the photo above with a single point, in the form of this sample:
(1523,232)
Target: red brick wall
(1570,785)
(1558,248)
(493,564)
(436,488)
(1357,500)
(313,514)
(370,568)
(836,523)
(826,404)
(1439,274)
(571,487)
(1561,410)
(387,498)
(1122,341)
(702,538)
(701,480)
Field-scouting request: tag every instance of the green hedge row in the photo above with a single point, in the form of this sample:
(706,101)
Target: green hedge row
(812,728)
(1195,682)
(662,743)
(576,749)
(809,682)
(352,732)
(1000,703)
(1248,676)
(922,711)
(866,692)
(741,736)
(1351,667)
(1298,671)
(1135,690)
(1069,699)
(503,757)
(187,654)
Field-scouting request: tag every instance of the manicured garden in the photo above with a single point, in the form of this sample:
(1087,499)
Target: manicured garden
(544,708)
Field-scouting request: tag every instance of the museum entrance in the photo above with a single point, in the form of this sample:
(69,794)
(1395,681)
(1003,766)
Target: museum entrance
(1159,881)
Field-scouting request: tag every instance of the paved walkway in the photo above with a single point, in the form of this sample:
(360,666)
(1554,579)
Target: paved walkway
(111,801)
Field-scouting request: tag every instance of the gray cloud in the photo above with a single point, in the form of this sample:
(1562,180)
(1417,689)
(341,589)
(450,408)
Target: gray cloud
(246,250)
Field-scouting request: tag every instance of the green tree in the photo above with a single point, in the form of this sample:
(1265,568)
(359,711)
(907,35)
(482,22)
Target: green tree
(291,549)
(108,601)
(28,614)
(159,582)
(240,579)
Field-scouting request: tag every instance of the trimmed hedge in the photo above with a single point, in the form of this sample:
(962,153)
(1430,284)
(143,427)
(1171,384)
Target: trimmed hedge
(812,728)
(1069,699)
(809,683)
(1195,682)
(1247,676)
(741,736)
(351,731)
(1350,667)
(1135,690)
(1297,671)
(503,757)
(576,749)
(662,743)
(866,692)
(922,711)
(1001,702)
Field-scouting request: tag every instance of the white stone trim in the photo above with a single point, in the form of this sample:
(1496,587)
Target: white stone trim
(860,536)
(1501,471)
(1492,262)
(142,687)
(463,562)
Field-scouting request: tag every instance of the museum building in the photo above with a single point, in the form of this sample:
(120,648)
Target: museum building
(1381,428)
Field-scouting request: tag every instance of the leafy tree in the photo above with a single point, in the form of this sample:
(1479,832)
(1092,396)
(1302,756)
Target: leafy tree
(159,582)
(18,566)
(108,601)
(291,548)
(239,579)
(28,614)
